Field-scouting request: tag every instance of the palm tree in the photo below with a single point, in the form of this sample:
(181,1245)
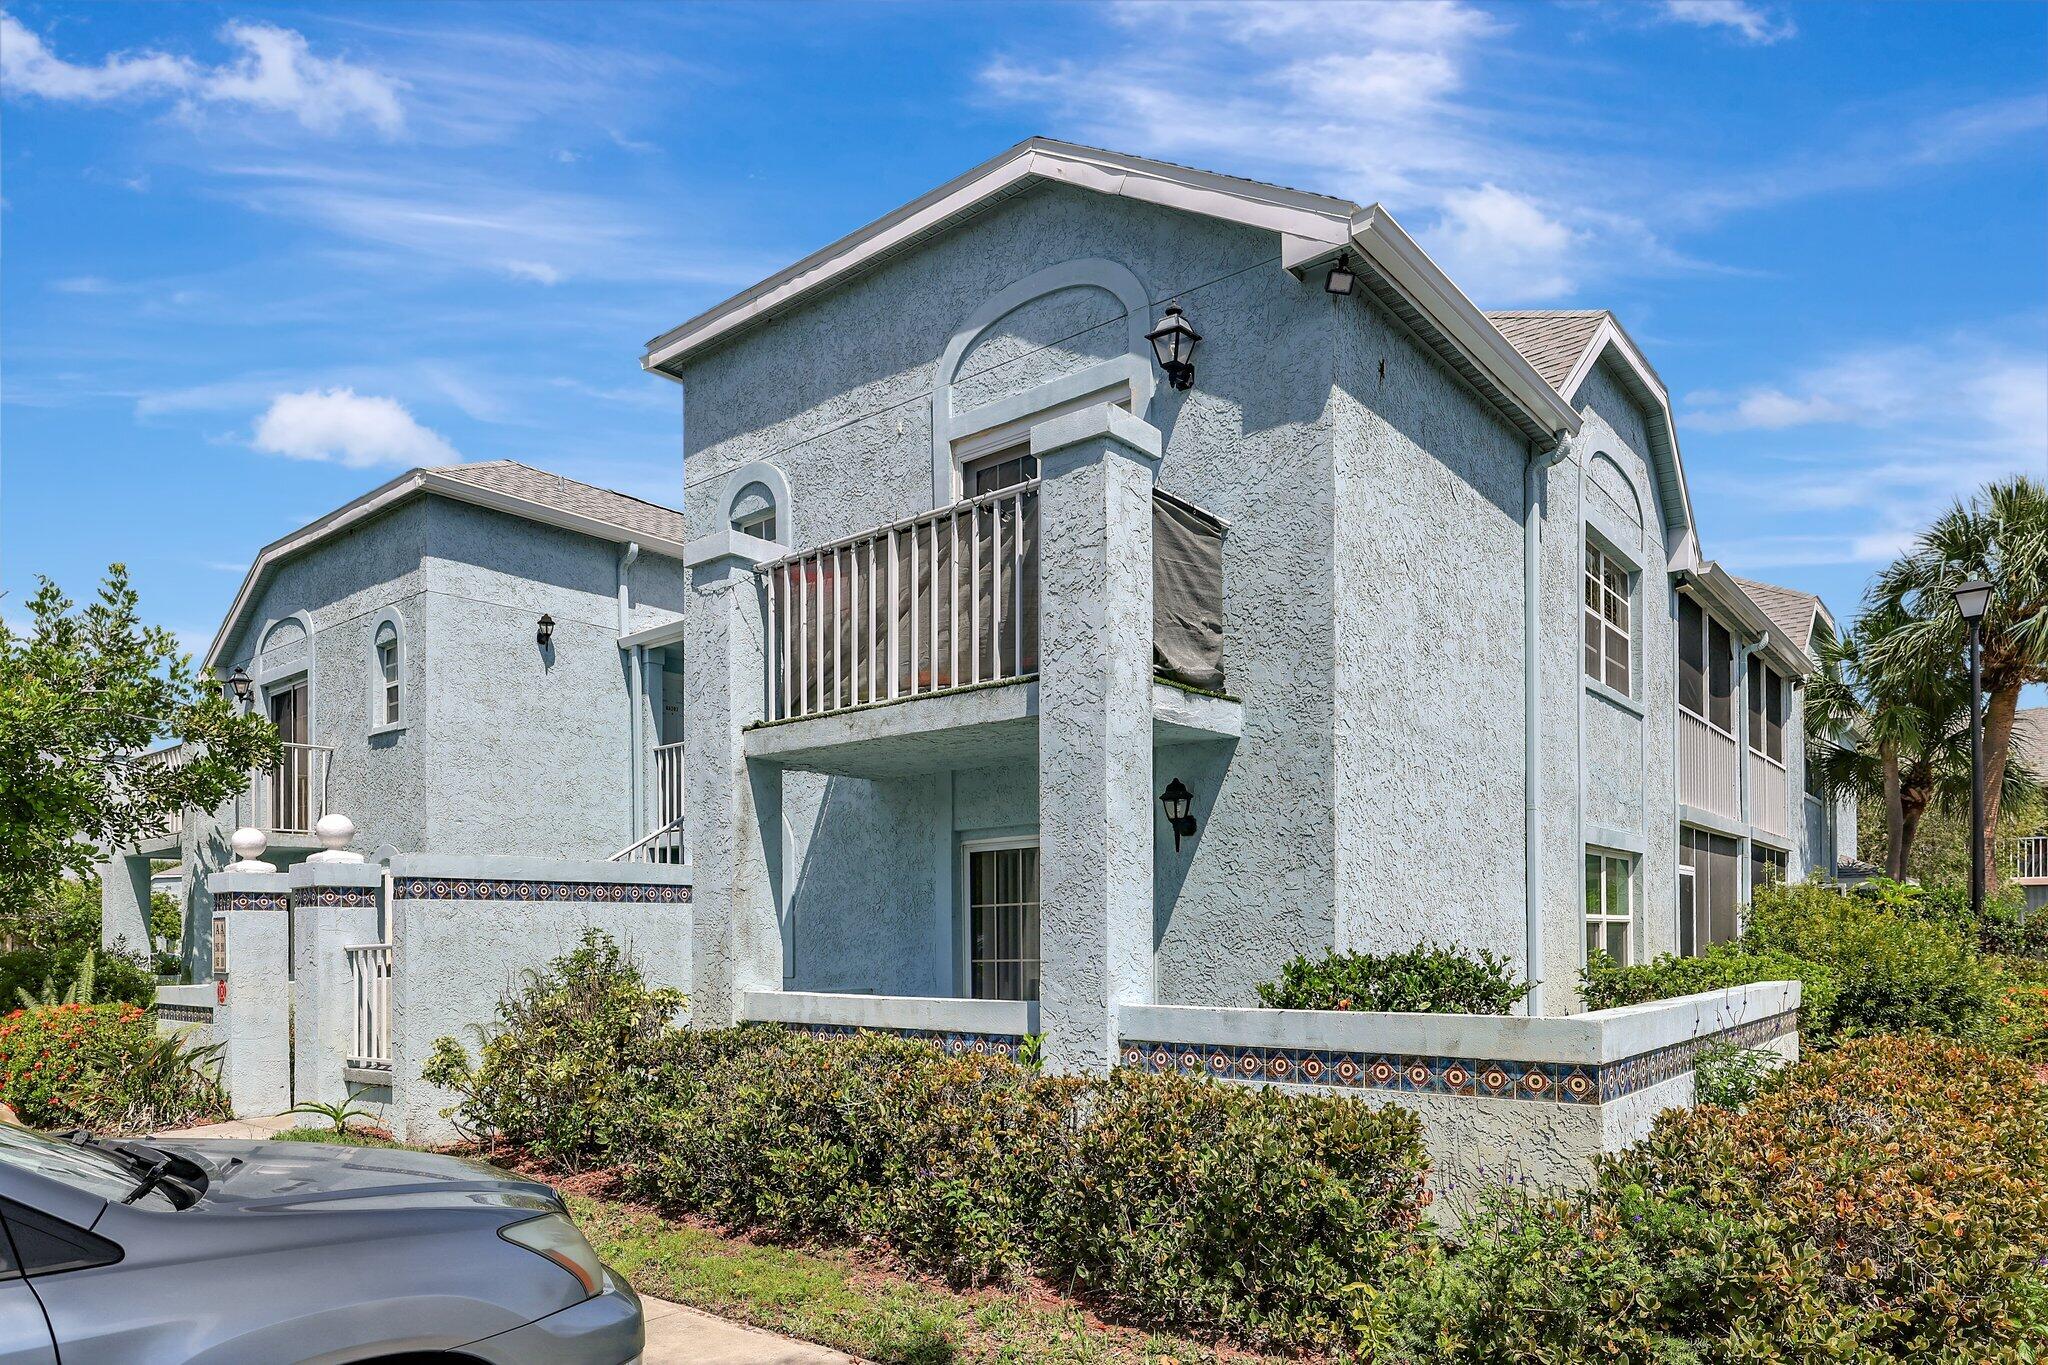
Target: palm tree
(2001,536)
(1907,730)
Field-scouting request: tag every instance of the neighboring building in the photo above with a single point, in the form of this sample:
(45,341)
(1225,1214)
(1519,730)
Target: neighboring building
(1027,692)
(394,642)
(2029,747)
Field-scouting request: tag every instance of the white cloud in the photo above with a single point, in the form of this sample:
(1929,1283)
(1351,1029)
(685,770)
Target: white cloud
(1753,23)
(1499,244)
(357,431)
(275,72)
(26,65)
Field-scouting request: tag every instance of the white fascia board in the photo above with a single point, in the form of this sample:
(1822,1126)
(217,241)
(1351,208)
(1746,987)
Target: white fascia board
(660,633)
(1609,336)
(397,490)
(1718,589)
(1401,259)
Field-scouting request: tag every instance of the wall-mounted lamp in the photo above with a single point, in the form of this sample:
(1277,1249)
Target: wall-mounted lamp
(1173,344)
(1340,280)
(544,633)
(1179,803)
(238,684)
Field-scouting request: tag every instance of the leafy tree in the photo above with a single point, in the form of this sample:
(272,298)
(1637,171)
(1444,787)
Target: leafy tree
(2001,536)
(83,694)
(166,921)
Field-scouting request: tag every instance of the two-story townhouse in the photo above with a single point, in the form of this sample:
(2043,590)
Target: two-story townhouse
(1465,626)
(460,662)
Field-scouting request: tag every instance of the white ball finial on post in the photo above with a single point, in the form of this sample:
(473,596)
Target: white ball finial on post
(334,831)
(248,844)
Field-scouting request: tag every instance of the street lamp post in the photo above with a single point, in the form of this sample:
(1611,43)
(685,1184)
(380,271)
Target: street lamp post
(1973,599)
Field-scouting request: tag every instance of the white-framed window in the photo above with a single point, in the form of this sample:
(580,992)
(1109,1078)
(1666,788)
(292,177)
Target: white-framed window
(998,470)
(1607,619)
(1610,903)
(999,897)
(387,673)
(754,511)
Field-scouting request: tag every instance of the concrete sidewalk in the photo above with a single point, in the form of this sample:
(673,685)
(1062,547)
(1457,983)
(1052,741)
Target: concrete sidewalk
(676,1335)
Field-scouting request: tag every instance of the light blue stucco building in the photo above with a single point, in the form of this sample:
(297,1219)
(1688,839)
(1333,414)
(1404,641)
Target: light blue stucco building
(1026,682)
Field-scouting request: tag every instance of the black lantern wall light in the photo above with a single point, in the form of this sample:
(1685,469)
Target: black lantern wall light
(238,684)
(1179,803)
(544,632)
(1173,345)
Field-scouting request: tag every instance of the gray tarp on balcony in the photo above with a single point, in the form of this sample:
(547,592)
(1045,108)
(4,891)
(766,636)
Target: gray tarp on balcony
(1187,594)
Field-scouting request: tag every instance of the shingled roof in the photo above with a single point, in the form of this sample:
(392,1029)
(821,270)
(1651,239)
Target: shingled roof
(1550,339)
(525,482)
(1790,610)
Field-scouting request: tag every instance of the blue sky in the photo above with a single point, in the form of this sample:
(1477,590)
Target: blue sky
(259,258)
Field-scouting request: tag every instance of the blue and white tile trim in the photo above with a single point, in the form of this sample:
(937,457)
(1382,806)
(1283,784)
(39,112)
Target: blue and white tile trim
(252,900)
(522,889)
(1482,1078)
(335,897)
(985,1044)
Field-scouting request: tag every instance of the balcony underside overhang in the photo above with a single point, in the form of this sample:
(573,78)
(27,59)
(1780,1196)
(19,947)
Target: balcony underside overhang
(972,727)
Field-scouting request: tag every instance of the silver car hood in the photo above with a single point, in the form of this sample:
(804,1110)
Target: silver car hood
(301,1177)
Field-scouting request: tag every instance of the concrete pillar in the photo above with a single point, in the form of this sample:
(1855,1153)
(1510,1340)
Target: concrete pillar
(733,810)
(334,907)
(124,903)
(253,1016)
(1096,471)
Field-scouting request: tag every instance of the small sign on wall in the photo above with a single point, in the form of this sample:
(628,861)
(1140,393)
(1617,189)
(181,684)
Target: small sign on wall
(220,948)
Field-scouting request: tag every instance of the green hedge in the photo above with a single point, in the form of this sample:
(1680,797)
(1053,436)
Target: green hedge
(1606,984)
(1425,979)
(1887,1200)
(1180,1200)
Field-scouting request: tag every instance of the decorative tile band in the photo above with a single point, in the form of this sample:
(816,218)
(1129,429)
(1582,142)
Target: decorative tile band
(336,897)
(252,900)
(1481,1078)
(185,1014)
(508,889)
(987,1044)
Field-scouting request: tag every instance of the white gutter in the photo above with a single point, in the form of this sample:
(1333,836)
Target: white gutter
(627,556)
(1742,793)
(1532,720)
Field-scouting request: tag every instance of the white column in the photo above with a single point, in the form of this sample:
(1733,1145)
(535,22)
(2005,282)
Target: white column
(733,809)
(1096,470)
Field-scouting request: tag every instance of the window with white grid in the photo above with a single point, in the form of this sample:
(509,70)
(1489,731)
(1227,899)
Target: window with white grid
(1607,594)
(1610,903)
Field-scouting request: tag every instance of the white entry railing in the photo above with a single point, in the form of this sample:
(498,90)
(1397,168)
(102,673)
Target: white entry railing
(2031,864)
(291,797)
(1769,804)
(1706,767)
(369,966)
(942,600)
(668,784)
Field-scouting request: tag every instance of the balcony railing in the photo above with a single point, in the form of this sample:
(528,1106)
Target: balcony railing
(369,967)
(1769,799)
(2031,862)
(942,600)
(1706,767)
(291,797)
(170,756)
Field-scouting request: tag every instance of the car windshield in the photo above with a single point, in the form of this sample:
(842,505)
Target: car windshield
(53,1158)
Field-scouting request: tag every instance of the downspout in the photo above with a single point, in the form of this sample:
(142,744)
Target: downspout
(1532,718)
(1744,845)
(633,759)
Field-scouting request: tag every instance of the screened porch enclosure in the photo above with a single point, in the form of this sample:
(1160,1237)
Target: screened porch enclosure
(949,599)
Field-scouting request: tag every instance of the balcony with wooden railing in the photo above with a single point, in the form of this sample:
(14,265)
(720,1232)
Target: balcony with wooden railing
(2030,860)
(1769,794)
(1707,773)
(290,797)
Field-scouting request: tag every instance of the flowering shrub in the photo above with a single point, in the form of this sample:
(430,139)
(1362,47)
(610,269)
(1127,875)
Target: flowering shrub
(104,1067)
(1425,979)
(1886,1200)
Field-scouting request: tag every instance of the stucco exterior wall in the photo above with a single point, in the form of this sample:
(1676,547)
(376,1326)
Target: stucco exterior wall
(847,418)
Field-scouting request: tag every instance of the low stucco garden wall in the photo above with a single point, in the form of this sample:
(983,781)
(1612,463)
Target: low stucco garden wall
(1527,1100)
(464,930)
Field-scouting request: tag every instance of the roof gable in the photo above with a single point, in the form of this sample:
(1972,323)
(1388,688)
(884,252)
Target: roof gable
(1792,611)
(1314,229)
(502,485)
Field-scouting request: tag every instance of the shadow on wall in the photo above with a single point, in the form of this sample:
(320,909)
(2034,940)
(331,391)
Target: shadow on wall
(1202,767)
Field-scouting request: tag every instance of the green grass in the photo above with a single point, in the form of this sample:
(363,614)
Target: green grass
(836,1299)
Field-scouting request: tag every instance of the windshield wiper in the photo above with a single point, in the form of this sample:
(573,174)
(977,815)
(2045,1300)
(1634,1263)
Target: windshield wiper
(182,1179)
(151,1178)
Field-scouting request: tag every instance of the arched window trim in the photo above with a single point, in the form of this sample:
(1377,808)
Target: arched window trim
(379,724)
(768,477)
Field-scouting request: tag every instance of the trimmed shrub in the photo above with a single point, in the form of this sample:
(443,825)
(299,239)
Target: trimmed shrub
(1606,984)
(104,1067)
(1897,974)
(1426,979)
(1886,1200)
(575,1050)
(1192,1202)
